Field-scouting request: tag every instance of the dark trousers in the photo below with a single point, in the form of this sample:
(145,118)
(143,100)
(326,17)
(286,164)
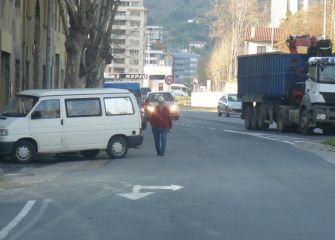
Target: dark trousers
(160,136)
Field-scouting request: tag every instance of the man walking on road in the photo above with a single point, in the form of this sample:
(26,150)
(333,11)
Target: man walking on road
(161,124)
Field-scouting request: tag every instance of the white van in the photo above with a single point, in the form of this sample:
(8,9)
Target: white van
(179,90)
(70,120)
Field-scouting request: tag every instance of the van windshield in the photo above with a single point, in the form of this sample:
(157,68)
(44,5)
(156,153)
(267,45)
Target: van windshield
(19,106)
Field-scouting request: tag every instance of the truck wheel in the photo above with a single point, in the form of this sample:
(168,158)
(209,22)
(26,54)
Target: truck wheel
(328,130)
(219,113)
(247,118)
(117,147)
(90,153)
(281,122)
(304,129)
(260,118)
(24,151)
(254,119)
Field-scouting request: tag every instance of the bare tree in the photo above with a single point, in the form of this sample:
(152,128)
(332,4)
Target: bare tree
(231,17)
(306,22)
(87,25)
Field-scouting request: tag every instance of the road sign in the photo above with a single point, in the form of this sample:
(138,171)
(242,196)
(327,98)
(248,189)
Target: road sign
(169,79)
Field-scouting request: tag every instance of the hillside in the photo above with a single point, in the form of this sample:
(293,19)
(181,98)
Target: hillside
(173,15)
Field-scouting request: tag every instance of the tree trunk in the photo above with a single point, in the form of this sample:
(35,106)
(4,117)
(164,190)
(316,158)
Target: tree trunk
(74,46)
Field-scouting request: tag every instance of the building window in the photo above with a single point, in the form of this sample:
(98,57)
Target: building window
(135,13)
(134,23)
(120,22)
(119,60)
(124,3)
(118,41)
(119,70)
(119,32)
(261,49)
(134,52)
(119,51)
(121,13)
(136,4)
(134,62)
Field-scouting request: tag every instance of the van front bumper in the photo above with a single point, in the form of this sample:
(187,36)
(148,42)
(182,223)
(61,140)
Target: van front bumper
(6,148)
(135,141)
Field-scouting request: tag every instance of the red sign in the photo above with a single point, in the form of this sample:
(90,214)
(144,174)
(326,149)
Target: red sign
(169,79)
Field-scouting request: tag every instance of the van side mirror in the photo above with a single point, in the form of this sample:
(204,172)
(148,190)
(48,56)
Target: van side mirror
(36,115)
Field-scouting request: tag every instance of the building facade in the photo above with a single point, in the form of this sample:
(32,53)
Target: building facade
(155,34)
(281,8)
(23,34)
(262,39)
(128,39)
(185,67)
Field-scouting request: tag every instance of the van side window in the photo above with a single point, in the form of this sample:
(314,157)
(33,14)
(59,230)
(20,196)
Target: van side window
(83,107)
(118,106)
(49,109)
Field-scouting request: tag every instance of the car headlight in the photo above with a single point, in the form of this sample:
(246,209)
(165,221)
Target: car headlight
(3,132)
(151,109)
(173,108)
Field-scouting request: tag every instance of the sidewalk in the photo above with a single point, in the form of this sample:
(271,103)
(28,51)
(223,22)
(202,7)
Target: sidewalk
(203,109)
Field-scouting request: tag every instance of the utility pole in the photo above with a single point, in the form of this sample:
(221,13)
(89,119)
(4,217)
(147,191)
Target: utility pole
(49,54)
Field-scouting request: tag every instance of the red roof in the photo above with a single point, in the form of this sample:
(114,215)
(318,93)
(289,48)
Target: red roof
(263,34)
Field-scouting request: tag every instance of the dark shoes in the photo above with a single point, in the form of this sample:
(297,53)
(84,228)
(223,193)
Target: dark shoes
(160,154)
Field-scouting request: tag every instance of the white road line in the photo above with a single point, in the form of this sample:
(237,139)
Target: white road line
(268,137)
(284,139)
(33,221)
(25,210)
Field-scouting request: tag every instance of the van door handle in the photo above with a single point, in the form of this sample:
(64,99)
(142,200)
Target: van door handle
(62,122)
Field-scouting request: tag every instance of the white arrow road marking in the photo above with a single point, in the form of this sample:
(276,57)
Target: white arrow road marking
(25,210)
(136,194)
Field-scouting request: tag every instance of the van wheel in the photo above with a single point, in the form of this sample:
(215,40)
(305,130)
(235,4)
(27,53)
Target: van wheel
(24,151)
(227,114)
(90,153)
(219,113)
(117,147)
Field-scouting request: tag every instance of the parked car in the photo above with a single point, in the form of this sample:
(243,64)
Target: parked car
(152,101)
(70,120)
(229,104)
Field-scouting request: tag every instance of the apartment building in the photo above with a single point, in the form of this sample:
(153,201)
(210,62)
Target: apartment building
(185,66)
(23,30)
(128,39)
(155,34)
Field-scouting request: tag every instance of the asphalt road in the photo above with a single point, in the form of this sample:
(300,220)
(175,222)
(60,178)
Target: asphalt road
(216,181)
